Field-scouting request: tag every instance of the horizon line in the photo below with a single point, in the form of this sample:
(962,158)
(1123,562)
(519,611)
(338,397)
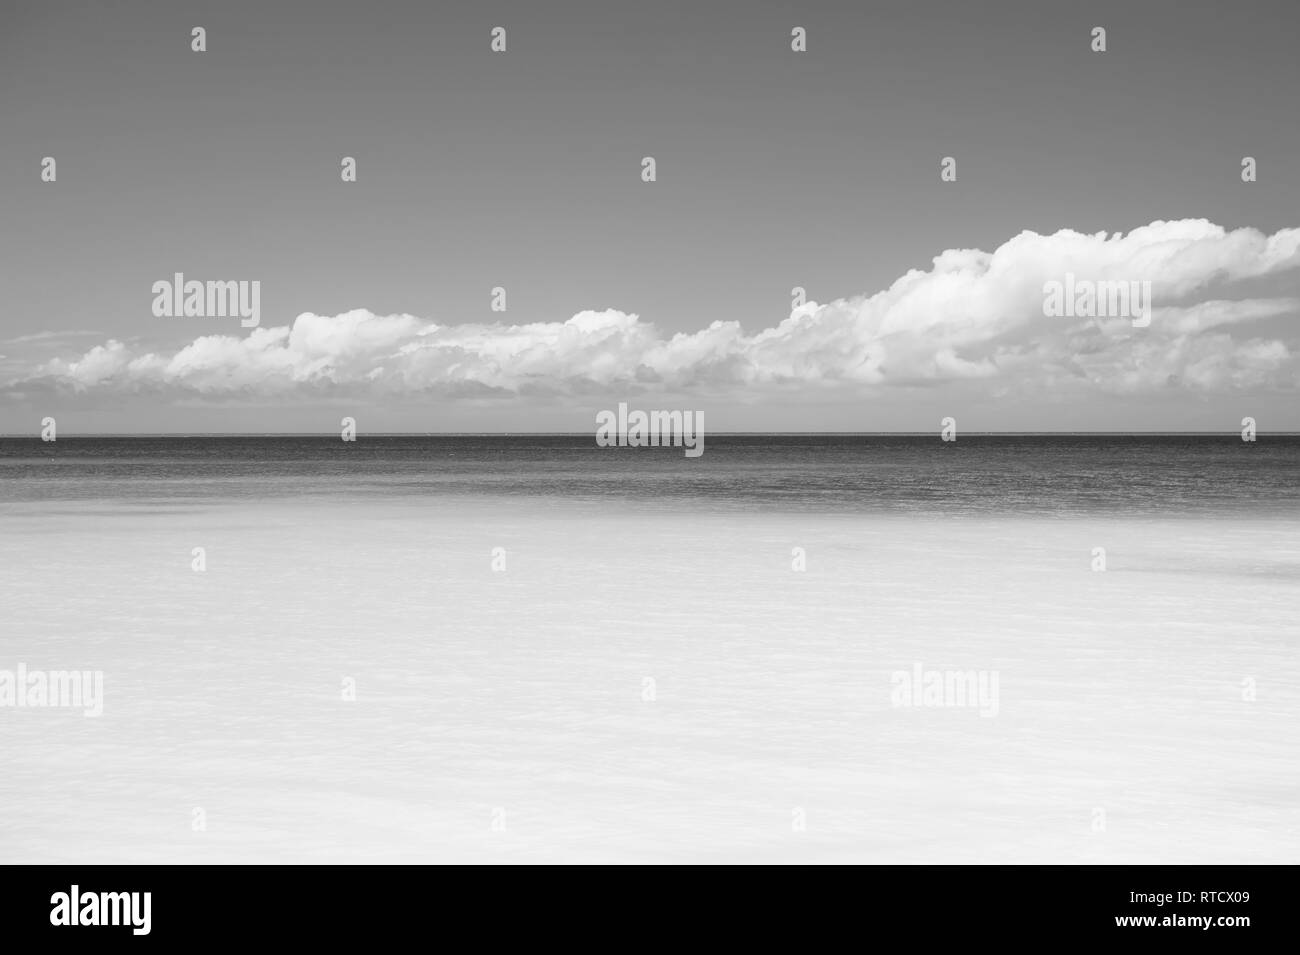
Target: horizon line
(587,434)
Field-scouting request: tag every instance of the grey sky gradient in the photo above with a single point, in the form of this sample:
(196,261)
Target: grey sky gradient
(521,169)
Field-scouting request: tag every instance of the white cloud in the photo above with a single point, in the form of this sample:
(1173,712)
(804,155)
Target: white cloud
(973,315)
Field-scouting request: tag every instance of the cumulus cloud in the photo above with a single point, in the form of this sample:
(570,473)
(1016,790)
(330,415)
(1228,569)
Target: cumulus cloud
(972,315)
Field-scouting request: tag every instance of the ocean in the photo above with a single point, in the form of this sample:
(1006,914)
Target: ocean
(530,649)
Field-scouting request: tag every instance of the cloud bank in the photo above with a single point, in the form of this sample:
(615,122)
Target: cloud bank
(972,316)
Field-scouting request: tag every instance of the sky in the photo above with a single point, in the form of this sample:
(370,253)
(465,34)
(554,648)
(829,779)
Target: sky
(775,169)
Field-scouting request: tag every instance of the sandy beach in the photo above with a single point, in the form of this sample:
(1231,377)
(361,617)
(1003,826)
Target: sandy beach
(506,714)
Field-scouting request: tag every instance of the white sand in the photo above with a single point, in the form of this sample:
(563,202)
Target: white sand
(1119,691)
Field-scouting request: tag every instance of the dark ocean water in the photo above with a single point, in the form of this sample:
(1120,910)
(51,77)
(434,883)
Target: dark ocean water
(1061,474)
